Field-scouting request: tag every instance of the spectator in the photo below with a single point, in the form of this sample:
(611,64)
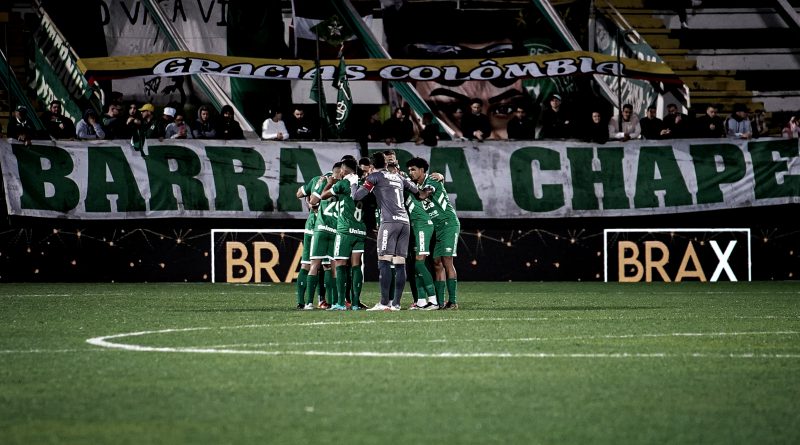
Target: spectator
(792,128)
(228,127)
(430,131)
(89,127)
(20,127)
(149,127)
(680,7)
(457,118)
(57,125)
(652,127)
(597,130)
(374,127)
(178,129)
(519,126)
(299,127)
(113,124)
(738,125)
(203,128)
(710,125)
(475,124)
(759,124)
(676,123)
(167,117)
(133,120)
(555,120)
(626,129)
(398,128)
(273,128)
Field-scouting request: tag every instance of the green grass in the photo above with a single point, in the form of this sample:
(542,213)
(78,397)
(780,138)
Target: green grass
(519,363)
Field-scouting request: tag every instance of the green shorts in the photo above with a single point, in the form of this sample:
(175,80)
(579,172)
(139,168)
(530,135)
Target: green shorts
(447,240)
(346,244)
(423,234)
(307,240)
(322,246)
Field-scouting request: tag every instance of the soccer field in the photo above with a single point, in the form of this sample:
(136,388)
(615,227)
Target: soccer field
(520,363)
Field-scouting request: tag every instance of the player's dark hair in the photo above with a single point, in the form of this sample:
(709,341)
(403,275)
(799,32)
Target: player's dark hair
(378,160)
(337,165)
(363,161)
(350,164)
(389,153)
(418,163)
(348,157)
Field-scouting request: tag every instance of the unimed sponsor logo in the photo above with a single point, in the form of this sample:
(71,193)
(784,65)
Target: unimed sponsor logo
(255,256)
(675,255)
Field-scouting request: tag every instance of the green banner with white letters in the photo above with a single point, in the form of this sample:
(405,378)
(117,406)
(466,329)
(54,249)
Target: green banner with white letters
(521,179)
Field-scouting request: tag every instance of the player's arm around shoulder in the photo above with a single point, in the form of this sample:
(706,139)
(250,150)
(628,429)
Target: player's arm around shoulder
(340,188)
(360,192)
(319,187)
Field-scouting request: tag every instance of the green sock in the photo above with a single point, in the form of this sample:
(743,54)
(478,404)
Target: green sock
(439,287)
(311,286)
(348,286)
(330,288)
(424,279)
(342,272)
(302,281)
(321,281)
(452,286)
(358,281)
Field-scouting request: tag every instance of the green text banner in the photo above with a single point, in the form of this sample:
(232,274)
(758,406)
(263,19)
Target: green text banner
(523,179)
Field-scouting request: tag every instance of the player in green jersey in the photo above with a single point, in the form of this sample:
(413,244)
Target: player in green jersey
(304,192)
(446,230)
(350,233)
(322,242)
(422,230)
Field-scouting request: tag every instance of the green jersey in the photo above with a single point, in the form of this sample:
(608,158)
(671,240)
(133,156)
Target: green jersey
(311,221)
(438,204)
(351,218)
(416,210)
(326,214)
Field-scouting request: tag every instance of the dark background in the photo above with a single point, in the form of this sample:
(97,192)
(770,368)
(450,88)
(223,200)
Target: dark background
(176,250)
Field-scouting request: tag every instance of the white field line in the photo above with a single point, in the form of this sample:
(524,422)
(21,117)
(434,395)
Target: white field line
(105,342)
(499,340)
(49,351)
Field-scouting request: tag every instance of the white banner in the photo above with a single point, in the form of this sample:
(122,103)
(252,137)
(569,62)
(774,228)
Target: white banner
(533,179)
(130,30)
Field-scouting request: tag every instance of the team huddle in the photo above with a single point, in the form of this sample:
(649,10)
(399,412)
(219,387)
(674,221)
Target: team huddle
(414,204)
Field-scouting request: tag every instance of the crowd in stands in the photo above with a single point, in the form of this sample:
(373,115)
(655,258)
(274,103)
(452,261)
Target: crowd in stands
(125,121)
(555,122)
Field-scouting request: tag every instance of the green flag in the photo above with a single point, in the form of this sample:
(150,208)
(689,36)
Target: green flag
(332,30)
(317,94)
(344,99)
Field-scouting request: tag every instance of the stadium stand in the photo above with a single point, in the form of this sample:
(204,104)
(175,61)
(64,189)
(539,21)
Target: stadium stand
(732,52)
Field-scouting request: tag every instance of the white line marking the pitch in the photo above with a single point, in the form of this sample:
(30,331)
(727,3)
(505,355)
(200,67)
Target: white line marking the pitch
(49,351)
(104,342)
(497,340)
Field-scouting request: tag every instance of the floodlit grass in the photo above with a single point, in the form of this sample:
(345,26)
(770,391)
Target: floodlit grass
(519,363)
